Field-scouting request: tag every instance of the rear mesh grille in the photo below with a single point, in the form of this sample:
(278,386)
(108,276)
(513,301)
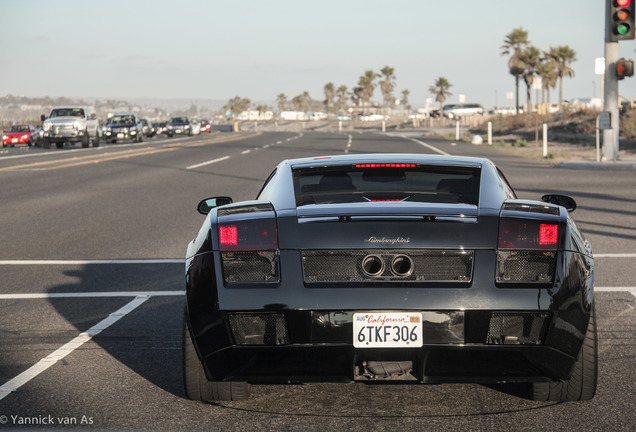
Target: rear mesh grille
(259,328)
(520,266)
(427,266)
(250,266)
(517,328)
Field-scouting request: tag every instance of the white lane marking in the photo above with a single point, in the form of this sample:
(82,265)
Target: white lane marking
(279,142)
(208,162)
(349,143)
(615,255)
(435,149)
(245,151)
(86,262)
(48,361)
(99,294)
(266,146)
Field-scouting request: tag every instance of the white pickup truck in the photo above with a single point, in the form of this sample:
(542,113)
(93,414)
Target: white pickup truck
(70,124)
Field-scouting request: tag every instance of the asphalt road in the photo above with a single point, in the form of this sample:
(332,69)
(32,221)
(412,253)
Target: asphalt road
(92,276)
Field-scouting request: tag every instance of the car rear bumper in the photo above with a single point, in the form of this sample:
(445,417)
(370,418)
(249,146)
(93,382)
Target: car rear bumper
(459,346)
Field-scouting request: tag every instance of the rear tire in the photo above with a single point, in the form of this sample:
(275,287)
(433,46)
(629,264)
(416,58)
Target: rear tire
(197,386)
(582,384)
(96,140)
(59,145)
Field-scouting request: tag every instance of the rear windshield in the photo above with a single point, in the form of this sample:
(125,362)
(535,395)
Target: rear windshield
(387,182)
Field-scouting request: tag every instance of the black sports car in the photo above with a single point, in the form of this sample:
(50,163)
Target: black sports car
(389,267)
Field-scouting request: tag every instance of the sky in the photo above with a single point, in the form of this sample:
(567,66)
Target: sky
(210,49)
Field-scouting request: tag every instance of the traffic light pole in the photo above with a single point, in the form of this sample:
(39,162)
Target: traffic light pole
(610,96)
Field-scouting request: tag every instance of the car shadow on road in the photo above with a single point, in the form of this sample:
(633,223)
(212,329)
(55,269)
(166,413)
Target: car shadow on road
(147,340)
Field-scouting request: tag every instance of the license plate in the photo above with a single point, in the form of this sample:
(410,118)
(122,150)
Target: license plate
(387,330)
(120,136)
(14,140)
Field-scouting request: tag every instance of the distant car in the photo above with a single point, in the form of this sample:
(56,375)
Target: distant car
(506,111)
(179,126)
(20,134)
(371,117)
(160,127)
(196,127)
(462,110)
(147,128)
(70,124)
(205,126)
(389,267)
(123,127)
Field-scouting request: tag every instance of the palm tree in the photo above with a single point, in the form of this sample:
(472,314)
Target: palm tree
(342,98)
(237,105)
(367,85)
(531,57)
(440,90)
(330,94)
(281,102)
(405,98)
(563,56)
(547,70)
(386,85)
(301,102)
(513,43)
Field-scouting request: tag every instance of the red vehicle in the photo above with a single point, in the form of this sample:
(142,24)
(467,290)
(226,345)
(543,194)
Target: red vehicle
(205,126)
(20,135)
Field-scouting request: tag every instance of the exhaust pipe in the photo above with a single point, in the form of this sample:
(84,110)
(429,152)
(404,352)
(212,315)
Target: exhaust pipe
(372,266)
(402,266)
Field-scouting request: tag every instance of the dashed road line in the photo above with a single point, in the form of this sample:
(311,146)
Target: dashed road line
(208,162)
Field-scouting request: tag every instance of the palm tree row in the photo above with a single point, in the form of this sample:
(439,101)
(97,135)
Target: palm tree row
(336,98)
(528,62)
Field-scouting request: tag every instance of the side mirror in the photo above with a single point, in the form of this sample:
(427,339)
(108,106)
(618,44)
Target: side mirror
(562,200)
(93,116)
(42,117)
(208,204)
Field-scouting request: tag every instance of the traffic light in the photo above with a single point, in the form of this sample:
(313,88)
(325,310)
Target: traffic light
(621,20)
(624,68)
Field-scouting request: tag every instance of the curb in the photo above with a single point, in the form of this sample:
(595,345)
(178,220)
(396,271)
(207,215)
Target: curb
(624,165)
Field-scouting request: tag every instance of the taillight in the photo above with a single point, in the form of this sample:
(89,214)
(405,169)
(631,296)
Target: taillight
(527,235)
(251,234)
(249,251)
(526,251)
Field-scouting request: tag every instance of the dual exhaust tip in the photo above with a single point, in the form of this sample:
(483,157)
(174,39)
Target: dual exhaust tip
(373,266)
